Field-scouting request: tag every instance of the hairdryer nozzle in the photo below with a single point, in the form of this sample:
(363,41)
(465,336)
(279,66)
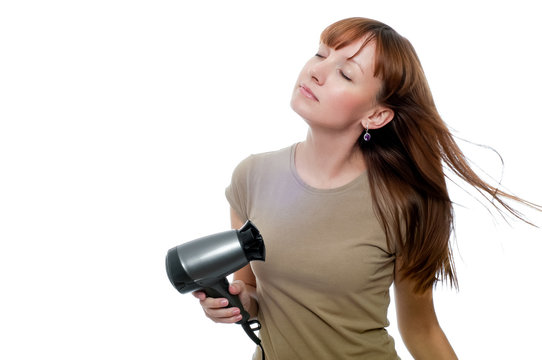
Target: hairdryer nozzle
(252,242)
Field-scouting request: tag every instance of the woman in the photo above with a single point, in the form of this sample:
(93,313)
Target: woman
(360,204)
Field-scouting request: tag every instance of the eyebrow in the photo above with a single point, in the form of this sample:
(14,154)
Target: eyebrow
(355,62)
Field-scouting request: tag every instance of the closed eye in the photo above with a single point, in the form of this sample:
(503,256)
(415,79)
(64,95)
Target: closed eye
(318,55)
(344,75)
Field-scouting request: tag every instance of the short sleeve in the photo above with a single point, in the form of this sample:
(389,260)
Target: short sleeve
(237,191)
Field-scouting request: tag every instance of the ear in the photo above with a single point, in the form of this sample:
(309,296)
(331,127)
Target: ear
(380,117)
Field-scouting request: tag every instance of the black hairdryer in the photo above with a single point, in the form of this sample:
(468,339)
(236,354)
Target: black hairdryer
(204,263)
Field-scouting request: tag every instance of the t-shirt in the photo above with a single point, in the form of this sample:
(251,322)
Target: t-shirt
(323,290)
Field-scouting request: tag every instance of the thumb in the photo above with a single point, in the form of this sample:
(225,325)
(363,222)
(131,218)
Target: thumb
(236,287)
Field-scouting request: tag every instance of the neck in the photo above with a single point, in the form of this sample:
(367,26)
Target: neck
(328,160)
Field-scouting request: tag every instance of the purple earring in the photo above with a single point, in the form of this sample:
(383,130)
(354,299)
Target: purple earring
(367,136)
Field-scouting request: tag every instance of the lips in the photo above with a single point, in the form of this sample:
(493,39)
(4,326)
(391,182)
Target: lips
(307,92)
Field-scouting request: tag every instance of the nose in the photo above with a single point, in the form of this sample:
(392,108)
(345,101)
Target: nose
(318,73)
(314,76)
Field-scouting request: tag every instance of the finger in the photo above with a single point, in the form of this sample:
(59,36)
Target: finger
(230,320)
(200,295)
(212,303)
(224,315)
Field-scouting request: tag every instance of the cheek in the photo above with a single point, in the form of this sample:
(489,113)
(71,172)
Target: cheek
(351,104)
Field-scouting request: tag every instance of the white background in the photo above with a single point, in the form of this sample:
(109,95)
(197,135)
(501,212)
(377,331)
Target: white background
(121,122)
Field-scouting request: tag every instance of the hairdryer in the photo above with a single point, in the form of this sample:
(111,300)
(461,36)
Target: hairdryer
(204,263)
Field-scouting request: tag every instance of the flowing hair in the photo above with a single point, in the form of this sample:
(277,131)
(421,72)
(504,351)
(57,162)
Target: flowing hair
(405,158)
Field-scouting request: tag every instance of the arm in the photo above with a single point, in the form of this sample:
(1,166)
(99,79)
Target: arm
(418,322)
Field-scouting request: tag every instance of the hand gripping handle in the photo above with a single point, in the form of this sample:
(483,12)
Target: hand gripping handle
(221,290)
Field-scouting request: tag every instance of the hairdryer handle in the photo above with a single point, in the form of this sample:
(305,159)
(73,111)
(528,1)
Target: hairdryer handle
(221,290)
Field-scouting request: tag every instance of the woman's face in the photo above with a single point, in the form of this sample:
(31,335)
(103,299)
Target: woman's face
(337,90)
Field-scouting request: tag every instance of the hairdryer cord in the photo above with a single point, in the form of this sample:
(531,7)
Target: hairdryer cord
(251,332)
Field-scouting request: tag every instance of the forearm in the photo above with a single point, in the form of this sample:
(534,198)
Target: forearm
(430,343)
(253,306)
(250,296)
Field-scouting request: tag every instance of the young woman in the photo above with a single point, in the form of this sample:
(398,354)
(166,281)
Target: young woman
(360,204)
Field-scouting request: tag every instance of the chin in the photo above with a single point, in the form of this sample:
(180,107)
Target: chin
(297,108)
(300,105)
(306,116)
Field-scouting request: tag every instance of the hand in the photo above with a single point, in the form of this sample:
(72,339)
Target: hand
(216,310)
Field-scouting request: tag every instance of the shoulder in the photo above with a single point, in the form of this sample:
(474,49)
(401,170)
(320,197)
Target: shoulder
(265,161)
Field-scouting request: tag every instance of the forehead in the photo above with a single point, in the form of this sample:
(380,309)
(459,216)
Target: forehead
(361,51)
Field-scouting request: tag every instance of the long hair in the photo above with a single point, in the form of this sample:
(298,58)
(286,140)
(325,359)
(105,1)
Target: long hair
(405,158)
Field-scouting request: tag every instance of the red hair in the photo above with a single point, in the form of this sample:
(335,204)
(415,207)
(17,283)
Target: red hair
(406,158)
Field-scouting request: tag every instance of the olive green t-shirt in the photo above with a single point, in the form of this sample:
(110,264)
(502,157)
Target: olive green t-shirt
(323,290)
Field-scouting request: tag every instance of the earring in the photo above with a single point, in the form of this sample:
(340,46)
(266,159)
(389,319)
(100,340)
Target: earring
(367,136)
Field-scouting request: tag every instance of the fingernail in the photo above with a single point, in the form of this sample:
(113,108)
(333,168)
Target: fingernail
(224,302)
(236,311)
